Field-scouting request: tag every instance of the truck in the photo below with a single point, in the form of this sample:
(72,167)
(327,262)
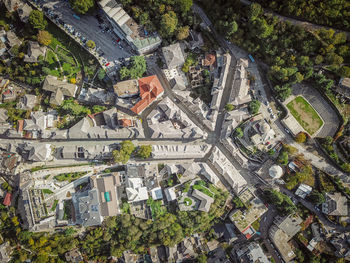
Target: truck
(76,16)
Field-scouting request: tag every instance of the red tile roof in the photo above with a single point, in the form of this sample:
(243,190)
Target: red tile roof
(125,122)
(150,89)
(209,60)
(20,125)
(7,200)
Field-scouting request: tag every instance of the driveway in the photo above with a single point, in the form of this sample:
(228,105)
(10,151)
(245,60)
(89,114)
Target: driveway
(327,113)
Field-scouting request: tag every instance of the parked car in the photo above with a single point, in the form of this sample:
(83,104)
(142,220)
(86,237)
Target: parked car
(287,131)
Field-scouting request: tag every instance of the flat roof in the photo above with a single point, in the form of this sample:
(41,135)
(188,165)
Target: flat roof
(126,88)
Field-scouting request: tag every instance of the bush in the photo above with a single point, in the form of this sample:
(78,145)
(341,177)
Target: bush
(301,137)
(254,106)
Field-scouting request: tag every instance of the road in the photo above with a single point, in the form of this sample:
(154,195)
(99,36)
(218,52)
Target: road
(327,223)
(297,22)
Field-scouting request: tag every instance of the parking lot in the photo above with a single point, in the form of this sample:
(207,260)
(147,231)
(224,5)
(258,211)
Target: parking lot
(88,27)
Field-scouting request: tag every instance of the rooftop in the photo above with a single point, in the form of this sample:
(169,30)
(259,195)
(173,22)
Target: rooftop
(59,89)
(126,88)
(173,55)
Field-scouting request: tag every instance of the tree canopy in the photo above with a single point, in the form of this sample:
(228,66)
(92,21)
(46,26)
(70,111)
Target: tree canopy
(136,68)
(37,20)
(44,37)
(82,6)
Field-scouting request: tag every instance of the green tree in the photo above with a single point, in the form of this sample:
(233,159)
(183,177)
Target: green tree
(90,44)
(254,106)
(168,24)
(255,10)
(229,107)
(82,6)
(344,71)
(238,132)
(101,74)
(44,37)
(120,156)
(301,137)
(202,258)
(144,151)
(128,147)
(316,197)
(183,33)
(283,158)
(185,5)
(37,20)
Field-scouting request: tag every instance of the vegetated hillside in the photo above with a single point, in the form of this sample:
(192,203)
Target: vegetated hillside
(293,53)
(332,13)
(171,19)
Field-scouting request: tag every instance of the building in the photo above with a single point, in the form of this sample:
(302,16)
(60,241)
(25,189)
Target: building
(336,205)
(303,190)
(225,232)
(254,209)
(227,170)
(34,52)
(135,189)
(282,231)
(7,199)
(37,152)
(205,200)
(107,190)
(59,89)
(252,253)
(126,88)
(174,56)
(169,121)
(275,171)
(27,102)
(149,89)
(344,88)
(74,256)
(127,29)
(103,200)
(240,92)
(24,12)
(5,252)
(181,150)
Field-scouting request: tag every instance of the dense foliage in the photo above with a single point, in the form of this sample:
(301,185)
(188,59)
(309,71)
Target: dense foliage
(135,70)
(170,18)
(116,235)
(333,13)
(293,53)
(82,6)
(283,203)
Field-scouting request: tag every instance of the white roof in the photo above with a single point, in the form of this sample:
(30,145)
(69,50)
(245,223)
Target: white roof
(209,173)
(139,194)
(303,190)
(170,194)
(276,171)
(157,193)
(229,172)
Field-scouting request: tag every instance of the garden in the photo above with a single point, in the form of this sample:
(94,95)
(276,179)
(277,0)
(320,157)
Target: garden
(70,177)
(305,114)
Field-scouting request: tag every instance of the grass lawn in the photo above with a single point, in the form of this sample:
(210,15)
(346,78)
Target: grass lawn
(70,177)
(156,208)
(203,189)
(303,112)
(188,202)
(256,225)
(54,205)
(47,191)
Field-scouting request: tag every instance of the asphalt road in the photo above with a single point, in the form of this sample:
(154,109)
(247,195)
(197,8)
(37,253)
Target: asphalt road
(88,26)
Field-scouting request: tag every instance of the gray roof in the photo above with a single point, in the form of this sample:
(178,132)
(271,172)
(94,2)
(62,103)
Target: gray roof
(88,208)
(24,12)
(289,224)
(336,204)
(3,115)
(27,102)
(173,55)
(111,117)
(59,89)
(34,51)
(106,186)
(205,201)
(13,39)
(39,152)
